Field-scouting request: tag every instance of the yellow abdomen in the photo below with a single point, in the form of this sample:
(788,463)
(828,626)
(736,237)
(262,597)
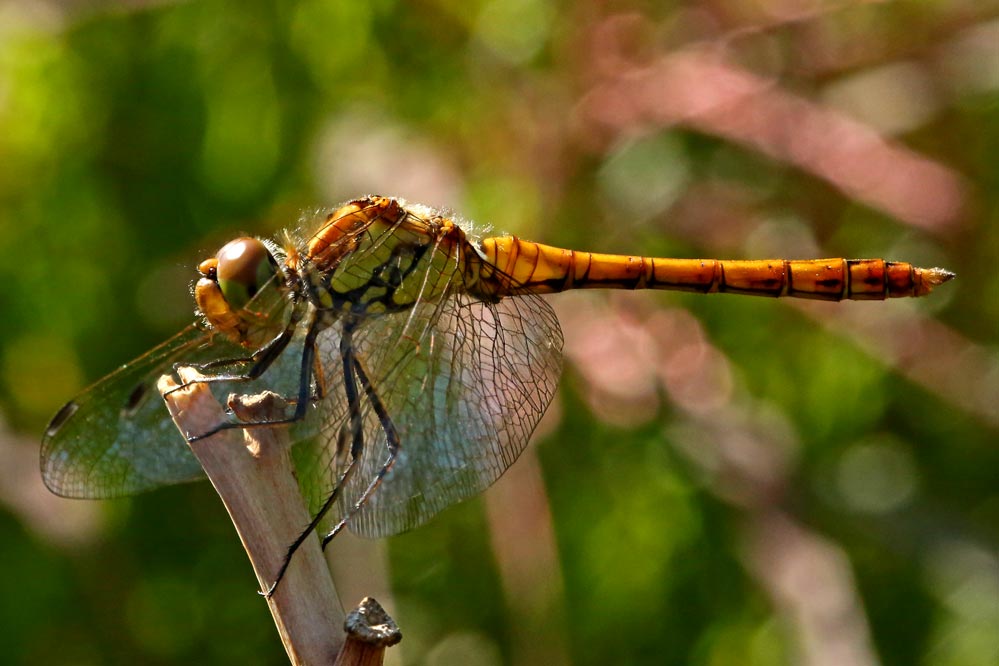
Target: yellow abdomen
(514,266)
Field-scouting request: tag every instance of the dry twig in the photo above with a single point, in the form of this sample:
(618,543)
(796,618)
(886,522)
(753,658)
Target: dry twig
(253,474)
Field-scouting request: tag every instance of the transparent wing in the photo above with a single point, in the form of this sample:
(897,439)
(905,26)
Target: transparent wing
(465,382)
(116,438)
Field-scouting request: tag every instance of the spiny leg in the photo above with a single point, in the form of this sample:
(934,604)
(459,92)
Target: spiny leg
(261,359)
(356,446)
(304,387)
(392,441)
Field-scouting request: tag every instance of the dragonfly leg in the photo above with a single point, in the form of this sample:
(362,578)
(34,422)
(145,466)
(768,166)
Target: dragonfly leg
(304,387)
(356,446)
(259,360)
(392,442)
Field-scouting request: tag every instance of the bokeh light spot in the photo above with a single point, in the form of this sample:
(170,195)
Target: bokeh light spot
(644,175)
(877,475)
(32,365)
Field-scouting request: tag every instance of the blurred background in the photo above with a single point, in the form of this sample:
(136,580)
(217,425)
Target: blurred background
(721,480)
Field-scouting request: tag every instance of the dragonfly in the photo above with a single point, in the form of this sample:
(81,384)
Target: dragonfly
(417,358)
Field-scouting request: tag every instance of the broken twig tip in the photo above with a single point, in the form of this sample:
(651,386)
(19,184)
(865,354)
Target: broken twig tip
(370,624)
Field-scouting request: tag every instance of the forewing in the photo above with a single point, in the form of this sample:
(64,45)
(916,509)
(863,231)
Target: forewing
(464,382)
(116,438)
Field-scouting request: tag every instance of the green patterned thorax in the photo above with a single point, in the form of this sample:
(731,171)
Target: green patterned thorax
(393,265)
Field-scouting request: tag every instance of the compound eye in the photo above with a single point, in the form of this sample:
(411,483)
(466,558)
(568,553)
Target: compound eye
(244,266)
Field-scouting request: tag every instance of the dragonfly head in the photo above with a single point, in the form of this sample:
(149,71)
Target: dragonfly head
(241,268)
(229,282)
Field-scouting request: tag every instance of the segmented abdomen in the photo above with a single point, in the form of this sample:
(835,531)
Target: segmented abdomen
(526,267)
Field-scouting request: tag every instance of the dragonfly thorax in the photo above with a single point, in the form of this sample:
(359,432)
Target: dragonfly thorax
(374,256)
